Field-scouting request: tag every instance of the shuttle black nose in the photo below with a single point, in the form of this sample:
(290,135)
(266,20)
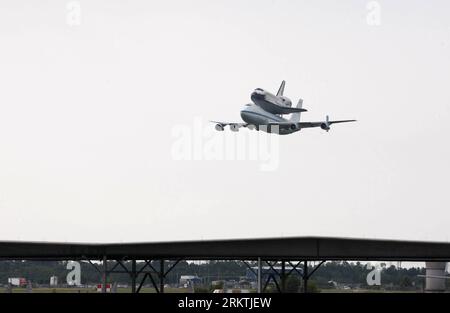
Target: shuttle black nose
(258,95)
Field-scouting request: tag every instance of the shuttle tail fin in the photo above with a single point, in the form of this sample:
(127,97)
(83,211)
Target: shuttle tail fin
(281,89)
(295,117)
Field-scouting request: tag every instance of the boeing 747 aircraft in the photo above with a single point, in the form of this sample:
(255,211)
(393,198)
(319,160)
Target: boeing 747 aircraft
(266,112)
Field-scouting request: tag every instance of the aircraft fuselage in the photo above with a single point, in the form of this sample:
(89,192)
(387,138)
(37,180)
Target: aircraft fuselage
(261,120)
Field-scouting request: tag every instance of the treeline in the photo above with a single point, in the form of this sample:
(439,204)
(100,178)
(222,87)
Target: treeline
(355,274)
(329,275)
(39,272)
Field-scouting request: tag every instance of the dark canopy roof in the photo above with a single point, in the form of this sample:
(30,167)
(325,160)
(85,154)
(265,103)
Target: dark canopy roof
(296,248)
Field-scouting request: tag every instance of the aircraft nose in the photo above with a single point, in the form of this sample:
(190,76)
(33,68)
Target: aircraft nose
(244,115)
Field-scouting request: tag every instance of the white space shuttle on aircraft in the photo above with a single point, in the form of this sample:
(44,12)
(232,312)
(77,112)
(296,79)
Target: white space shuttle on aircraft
(266,112)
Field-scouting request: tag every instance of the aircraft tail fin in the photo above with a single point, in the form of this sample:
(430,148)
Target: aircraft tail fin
(281,89)
(295,117)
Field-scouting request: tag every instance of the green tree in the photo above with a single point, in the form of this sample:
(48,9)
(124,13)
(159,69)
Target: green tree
(406,282)
(292,284)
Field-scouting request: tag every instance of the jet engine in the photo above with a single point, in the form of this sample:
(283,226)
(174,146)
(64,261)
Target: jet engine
(219,127)
(234,127)
(326,125)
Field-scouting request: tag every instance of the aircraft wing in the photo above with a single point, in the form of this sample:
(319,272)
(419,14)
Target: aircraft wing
(319,124)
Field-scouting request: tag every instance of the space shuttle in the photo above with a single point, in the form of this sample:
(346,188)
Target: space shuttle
(275,104)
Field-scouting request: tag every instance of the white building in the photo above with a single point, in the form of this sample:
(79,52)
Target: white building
(53,281)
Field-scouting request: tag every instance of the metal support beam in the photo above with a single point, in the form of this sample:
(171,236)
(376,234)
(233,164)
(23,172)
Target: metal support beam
(123,266)
(315,269)
(142,282)
(305,277)
(267,282)
(283,276)
(161,276)
(276,283)
(250,268)
(114,267)
(259,275)
(133,276)
(294,268)
(272,267)
(272,276)
(149,264)
(105,273)
(172,267)
(95,267)
(153,282)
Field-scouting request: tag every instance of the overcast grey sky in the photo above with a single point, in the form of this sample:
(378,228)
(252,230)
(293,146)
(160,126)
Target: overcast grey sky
(88,104)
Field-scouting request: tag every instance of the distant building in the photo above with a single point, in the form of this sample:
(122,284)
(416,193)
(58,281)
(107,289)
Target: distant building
(17,281)
(53,281)
(245,284)
(215,283)
(189,280)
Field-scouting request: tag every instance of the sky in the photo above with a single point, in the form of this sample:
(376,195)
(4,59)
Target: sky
(105,110)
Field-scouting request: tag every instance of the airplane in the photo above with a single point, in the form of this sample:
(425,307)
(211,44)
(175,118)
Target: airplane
(266,112)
